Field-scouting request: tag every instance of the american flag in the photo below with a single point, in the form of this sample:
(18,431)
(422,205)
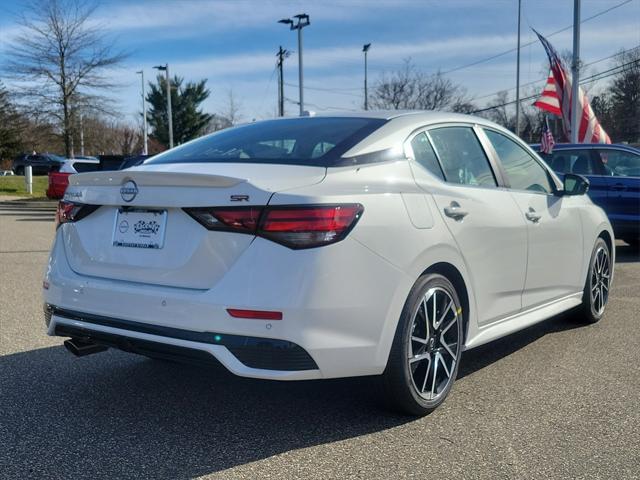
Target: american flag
(556,99)
(546,143)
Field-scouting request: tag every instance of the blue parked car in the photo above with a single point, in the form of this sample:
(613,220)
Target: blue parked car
(614,175)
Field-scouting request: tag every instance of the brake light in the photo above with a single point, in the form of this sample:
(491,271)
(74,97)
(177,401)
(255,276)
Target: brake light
(307,227)
(68,212)
(294,226)
(238,219)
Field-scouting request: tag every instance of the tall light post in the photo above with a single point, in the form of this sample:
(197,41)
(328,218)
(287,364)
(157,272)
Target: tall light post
(165,68)
(145,146)
(518,73)
(575,73)
(302,21)
(365,49)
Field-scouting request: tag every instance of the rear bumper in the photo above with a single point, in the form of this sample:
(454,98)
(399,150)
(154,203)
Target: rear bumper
(335,322)
(253,353)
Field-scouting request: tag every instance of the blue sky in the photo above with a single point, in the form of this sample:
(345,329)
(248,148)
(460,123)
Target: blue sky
(233,44)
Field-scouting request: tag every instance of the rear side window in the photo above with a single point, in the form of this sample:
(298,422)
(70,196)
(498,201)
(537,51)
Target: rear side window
(82,167)
(462,156)
(425,156)
(522,170)
(619,163)
(299,141)
(582,161)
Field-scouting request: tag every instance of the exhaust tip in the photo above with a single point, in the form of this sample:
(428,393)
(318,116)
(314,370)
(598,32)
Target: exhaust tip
(82,348)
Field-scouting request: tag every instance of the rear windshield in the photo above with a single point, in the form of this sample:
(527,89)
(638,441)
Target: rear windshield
(300,141)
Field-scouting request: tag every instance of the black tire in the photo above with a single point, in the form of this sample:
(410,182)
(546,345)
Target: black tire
(591,310)
(409,359)
(19,171)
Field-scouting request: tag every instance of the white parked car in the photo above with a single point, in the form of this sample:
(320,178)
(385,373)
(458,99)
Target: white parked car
(80,165)
(6,173)
(318,247)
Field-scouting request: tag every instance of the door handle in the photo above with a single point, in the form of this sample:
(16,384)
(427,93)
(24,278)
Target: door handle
(618,187)
(454,211)
(532,215)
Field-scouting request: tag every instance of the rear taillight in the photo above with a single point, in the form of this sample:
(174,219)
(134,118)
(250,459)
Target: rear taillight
(236,219)
(306,227)
(72,212)
(294,226)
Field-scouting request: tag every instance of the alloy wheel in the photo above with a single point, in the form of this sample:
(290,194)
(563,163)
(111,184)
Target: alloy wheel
(434,343)
(600,280)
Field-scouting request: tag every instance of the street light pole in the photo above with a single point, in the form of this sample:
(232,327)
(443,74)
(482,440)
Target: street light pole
(365,49)
(575,72)
(302,21)
(145,132)
(81,134)
(165,68)
(518,73)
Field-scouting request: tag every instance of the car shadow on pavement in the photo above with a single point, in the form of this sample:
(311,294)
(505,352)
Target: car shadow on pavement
(115,415)
(627,254)
(484,355)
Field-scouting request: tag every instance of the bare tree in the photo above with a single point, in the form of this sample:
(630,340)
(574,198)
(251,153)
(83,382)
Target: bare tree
(61,58)
(232,112)
(229,117)
(407,88)
(502,111)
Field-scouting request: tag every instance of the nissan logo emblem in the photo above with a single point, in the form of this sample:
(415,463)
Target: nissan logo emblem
(129,191)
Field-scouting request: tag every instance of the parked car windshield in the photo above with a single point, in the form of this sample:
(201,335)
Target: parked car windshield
(300,141)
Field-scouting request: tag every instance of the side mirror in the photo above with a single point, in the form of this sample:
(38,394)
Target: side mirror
(575,184)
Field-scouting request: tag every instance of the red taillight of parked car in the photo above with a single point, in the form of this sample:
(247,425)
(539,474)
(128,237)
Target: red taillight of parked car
(72,212)
(58,183)
(295,226)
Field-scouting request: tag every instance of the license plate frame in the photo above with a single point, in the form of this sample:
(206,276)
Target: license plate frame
(139,228)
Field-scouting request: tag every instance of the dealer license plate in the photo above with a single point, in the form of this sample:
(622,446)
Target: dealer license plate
(139,228)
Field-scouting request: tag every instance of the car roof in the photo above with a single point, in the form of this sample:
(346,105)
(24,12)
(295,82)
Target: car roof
(428,116)
(401,123)
(574,146)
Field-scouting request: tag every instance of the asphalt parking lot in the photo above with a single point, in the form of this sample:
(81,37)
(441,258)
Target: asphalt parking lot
(558,400)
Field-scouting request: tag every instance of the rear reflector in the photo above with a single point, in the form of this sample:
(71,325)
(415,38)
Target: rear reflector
(295,226)
(254,314)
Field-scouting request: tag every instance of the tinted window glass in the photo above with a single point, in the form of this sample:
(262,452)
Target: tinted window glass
(580,161)
(619,163)
(523,171)
(462,156)
(82,167)
(425,156)
(302,141)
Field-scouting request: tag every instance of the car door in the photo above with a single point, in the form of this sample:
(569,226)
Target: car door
(484,220)
(555,249)
(37,163)
(624,185)
(586,162)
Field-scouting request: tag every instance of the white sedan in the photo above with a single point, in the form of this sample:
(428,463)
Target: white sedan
(382,244)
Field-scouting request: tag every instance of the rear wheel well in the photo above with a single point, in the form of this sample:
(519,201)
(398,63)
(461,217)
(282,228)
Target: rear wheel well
(607,238)
(453,275)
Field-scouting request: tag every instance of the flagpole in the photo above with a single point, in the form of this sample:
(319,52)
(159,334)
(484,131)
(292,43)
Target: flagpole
(575,73)
(518,73)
